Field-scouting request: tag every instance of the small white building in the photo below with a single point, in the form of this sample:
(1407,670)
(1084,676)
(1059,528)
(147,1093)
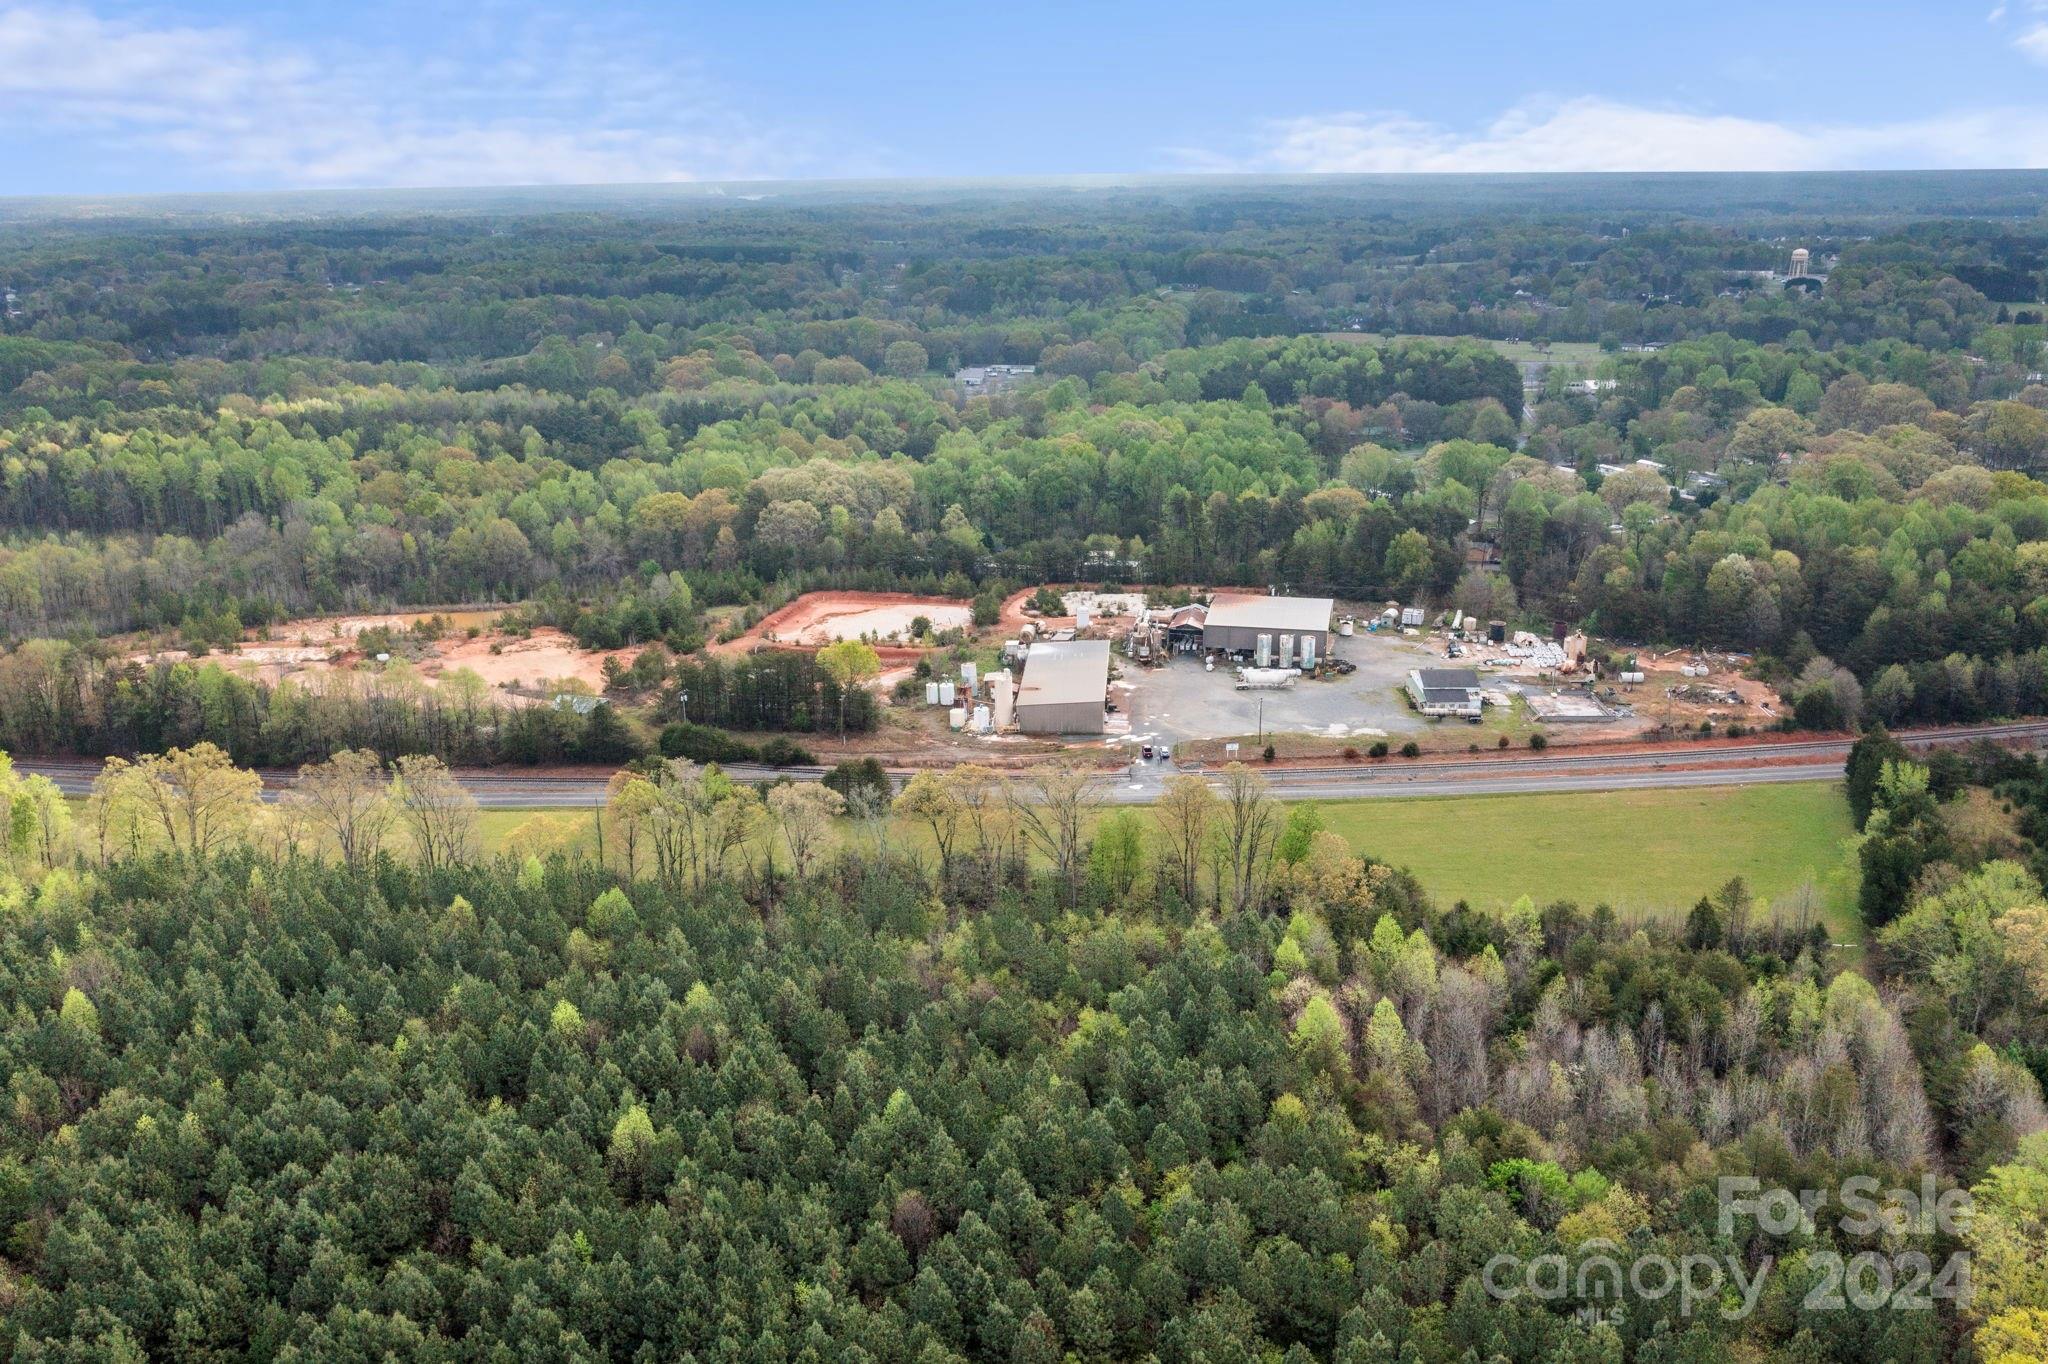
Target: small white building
(1445,691)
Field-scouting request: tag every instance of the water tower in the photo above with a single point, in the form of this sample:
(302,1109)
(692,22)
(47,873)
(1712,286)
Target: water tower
(1800,257)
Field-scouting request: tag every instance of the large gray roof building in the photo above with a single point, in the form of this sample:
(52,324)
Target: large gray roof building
(1064,687)
(1296,630)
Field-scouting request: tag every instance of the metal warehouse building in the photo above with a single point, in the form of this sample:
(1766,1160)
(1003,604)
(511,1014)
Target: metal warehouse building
(1065,685)
(1281,632)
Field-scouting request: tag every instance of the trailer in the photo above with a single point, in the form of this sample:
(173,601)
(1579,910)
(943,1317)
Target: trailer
(1265,679)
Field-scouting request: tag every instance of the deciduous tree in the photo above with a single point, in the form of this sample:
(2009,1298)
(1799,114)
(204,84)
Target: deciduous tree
(436,812)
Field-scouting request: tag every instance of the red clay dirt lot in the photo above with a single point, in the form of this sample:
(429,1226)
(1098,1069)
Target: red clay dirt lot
(819,618)
(301,649)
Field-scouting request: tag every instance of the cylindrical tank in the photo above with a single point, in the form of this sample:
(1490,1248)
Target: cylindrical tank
(967,676)
(981,719)
(1497,631)
(956,717)
(931,693)
(946,693)
(1081,618)
(1001,692)
(1346,626)
(1632,678)
(1029,632)
(1308,653)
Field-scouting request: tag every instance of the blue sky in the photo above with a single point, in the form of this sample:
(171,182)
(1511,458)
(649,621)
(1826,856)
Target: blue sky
(107,96)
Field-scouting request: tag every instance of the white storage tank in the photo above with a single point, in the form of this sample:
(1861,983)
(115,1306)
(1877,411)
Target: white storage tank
(946,693)
(1346,626)
(1081,618)
(967,676)
(1632,679)
(1002,691)
(956,717)
(1308,653)
(931,693)
(981,719)
(1265,651)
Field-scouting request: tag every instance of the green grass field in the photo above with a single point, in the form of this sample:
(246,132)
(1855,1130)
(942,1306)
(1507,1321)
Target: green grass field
(1646,853)
(1643,852)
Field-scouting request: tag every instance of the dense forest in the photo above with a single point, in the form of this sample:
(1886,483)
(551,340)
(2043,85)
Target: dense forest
(315,1080)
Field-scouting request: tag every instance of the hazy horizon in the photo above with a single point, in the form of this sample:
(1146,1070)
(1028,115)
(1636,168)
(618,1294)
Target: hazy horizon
(2003,193)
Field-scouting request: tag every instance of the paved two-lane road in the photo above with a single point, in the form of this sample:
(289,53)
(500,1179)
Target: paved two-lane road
(1677,764)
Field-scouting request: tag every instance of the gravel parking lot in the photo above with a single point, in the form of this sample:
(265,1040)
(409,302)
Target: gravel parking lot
(1178,700)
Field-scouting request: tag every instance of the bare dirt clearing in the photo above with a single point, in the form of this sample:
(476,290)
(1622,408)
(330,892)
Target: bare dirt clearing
(518,669)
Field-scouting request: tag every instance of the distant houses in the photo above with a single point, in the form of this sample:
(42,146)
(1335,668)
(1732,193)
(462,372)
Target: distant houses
(977,380)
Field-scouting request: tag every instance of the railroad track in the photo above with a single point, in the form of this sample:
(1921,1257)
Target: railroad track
(1679,764)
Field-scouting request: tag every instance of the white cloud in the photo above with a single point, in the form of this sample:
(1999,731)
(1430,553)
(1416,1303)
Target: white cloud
(2032,43)
(1593,134)
(551,105)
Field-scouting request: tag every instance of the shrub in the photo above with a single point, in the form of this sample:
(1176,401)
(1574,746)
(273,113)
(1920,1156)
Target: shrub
(1269,754)
(1379,749)
(703,744)
(1539,742)
(781,752)
(1350,753)
(1411,749)
(1503,742)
